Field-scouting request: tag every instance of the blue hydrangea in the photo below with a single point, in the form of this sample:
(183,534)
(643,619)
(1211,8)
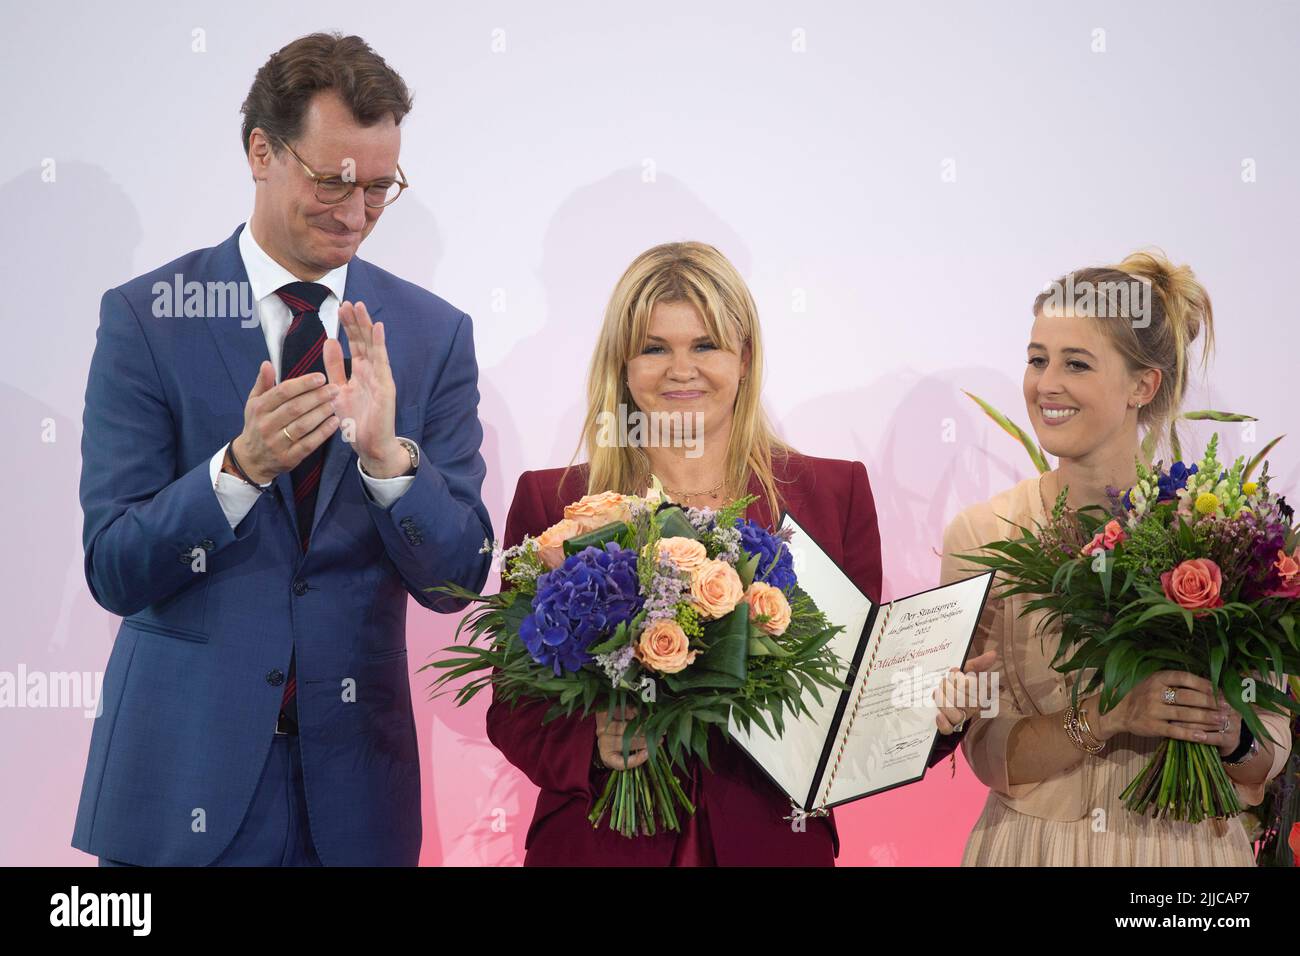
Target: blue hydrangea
(580,604)
(756,539)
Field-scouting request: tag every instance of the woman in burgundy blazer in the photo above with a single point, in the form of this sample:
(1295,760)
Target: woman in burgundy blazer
(681,341)
(741,810)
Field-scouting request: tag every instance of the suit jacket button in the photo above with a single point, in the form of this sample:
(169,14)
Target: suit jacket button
(275,678)
(300,587)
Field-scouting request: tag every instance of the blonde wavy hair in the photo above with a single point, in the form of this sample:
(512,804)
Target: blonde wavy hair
(1179,314)
(700,275)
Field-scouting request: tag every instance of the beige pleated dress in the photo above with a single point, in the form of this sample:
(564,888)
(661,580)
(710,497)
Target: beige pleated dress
(1076,817)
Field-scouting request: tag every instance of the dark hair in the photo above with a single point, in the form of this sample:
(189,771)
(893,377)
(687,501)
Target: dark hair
(288,80)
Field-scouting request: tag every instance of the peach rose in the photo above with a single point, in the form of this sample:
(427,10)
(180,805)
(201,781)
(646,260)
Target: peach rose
(716,589)
(764,599)
(1194,584)
(596,511)
(688,554)
(550,543)
(663,647)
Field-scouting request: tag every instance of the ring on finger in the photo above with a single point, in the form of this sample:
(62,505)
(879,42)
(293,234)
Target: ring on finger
(285,429)
(1171,696)
(1226,724)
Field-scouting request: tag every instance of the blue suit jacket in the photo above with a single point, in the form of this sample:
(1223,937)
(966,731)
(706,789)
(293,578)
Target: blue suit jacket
(190,698)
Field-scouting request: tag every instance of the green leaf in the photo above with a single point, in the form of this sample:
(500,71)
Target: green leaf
(595,539)
(1036,453)
(673,523)
(1217,657)
(1211,415)
(1287,623)
(1259,459)
(723,663)
(616,640)
(1158,610)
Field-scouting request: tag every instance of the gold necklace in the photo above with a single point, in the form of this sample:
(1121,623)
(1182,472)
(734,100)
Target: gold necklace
(695,494)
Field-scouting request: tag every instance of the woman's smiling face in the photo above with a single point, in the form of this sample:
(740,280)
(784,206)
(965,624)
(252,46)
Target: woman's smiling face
(681,369)
(1080,392)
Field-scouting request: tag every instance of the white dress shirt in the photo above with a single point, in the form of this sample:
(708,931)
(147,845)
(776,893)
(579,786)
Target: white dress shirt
(265,276)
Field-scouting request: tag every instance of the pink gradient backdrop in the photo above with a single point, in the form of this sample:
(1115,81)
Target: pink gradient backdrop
(540,170)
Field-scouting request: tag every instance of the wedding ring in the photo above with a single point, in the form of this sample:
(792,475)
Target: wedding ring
(1226,724)
(286,434)
(1169,695)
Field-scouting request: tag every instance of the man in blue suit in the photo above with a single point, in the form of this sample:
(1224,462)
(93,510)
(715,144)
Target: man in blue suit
(263,485)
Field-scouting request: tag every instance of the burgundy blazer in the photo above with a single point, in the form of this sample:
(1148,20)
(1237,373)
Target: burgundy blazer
(743,809)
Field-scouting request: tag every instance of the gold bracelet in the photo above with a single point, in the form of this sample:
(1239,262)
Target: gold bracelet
(1088,736)
(1071,724)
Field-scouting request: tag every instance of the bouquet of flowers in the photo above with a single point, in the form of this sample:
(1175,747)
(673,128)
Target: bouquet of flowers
(1196,569)
(695,616)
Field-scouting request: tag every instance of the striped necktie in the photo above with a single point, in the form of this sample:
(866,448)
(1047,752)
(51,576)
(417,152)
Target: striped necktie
(303,353)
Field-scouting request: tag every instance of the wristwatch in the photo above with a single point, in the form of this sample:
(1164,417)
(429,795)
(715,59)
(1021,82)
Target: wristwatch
(413,450)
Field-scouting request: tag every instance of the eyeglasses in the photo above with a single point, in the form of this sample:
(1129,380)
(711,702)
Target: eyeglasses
(335,189)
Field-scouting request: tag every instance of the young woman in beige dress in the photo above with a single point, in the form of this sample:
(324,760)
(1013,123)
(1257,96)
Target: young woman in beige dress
(1091,383)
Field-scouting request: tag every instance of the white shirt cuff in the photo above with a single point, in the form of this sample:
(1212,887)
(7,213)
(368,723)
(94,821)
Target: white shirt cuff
(235,495)
(384,491)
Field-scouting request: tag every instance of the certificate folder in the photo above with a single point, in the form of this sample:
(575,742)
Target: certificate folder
(879,732)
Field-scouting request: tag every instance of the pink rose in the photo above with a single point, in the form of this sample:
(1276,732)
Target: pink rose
(1096,544)
(716,589)
(1113,534)
(550,543)
(596,511)
(663,647)
(1106,538)
(1288,568)
(1194,584)
(763,599)
(688,554)
(1288,565)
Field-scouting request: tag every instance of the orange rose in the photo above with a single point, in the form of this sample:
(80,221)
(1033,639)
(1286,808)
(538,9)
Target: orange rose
(550,543)
(716,589)
(766,600)
(688,554)
(596,511)
(1194,584)
(663,647)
